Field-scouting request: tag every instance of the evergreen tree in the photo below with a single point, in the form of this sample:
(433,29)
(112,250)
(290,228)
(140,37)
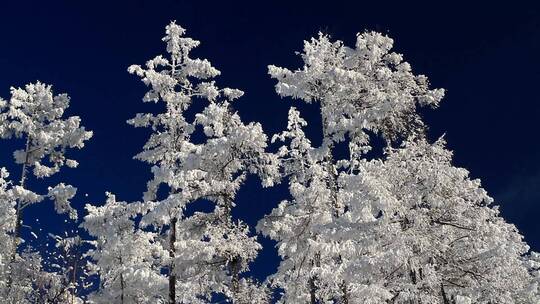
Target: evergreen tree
(208,251)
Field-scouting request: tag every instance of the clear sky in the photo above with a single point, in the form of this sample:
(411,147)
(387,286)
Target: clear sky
(485,55)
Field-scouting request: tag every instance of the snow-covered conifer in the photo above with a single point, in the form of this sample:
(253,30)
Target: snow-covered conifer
(207,251)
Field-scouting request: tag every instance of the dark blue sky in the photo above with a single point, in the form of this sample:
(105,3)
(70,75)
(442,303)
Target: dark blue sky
(486,56)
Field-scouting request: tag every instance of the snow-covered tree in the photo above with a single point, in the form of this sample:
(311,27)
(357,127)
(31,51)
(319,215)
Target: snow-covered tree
(439,240)
(406,228)
(207,251)
(297,224)
(322,250)
(126,259)
(35,115)
(363,90)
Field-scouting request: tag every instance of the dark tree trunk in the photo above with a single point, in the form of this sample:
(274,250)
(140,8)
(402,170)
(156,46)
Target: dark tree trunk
(172,251)
(345,293)
(122,284)
(316,262)
(444,296)
(312,290)
(122,287)
(235,274)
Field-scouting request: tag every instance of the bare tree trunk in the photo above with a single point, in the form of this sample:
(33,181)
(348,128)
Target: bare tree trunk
(332,174)
(235,274)
(122,283)
(234,263)
(18,214)
(316,262)
(122,288)
(338,209)
(333,184)
(18,219)
(444,296)
(172,253)
(312,290)
(345,293)
(74,280)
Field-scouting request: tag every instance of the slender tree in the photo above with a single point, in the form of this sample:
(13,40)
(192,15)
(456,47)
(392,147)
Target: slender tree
(35,115)
(208,251)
